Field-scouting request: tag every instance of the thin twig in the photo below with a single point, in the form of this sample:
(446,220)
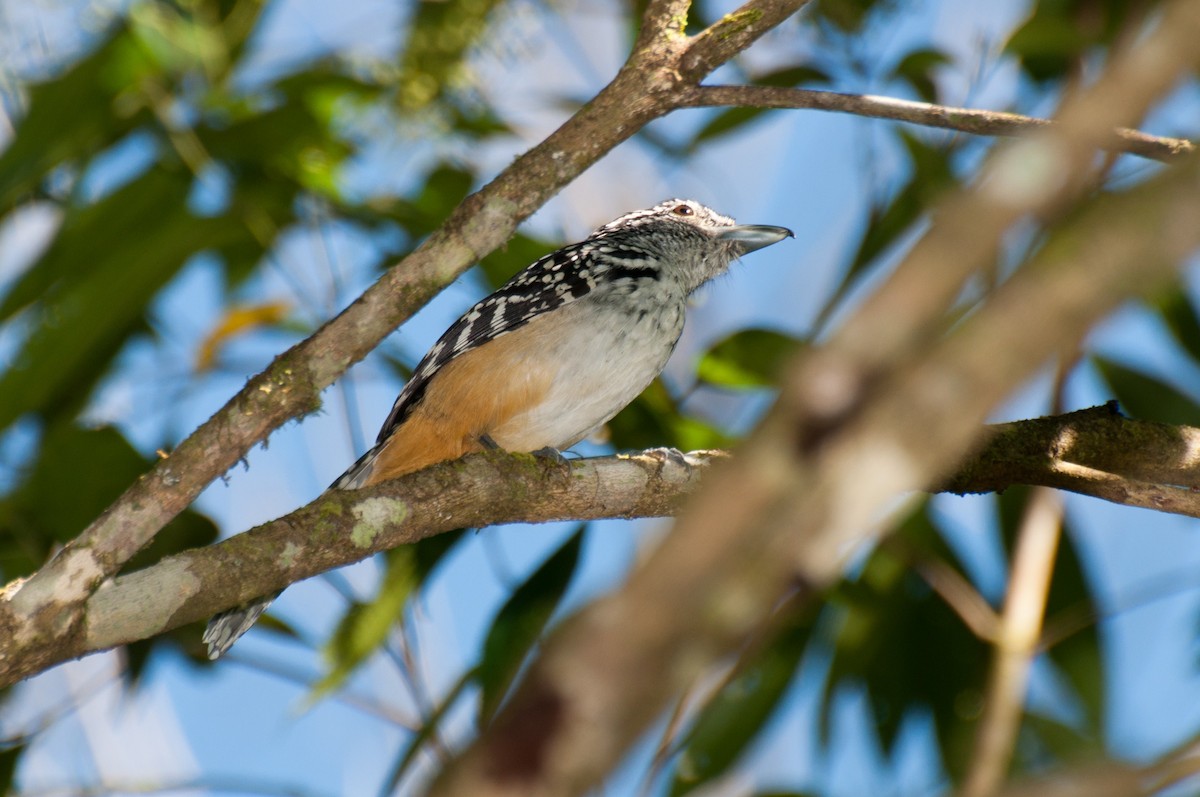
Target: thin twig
(965,120)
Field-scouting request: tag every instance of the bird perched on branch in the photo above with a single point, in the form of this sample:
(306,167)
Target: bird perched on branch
(552,355)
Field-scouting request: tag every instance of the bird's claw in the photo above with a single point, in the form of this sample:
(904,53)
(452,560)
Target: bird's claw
(555,456)
(665,454)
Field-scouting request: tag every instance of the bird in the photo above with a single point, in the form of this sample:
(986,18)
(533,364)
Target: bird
(550,356)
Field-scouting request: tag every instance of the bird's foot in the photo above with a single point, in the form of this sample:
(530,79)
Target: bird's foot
(555,456)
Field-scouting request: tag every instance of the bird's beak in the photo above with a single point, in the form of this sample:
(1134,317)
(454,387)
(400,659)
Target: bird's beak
(750,237)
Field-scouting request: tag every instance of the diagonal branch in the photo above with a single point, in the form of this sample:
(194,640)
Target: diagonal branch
(966,120)
(733,33)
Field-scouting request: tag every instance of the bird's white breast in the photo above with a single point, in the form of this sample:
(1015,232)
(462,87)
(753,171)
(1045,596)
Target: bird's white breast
(603,354)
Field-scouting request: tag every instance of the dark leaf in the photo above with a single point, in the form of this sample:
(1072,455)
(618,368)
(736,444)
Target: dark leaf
(444,188)
(1059,33)
(1179,314)
(520,251)
(736,714)
(9,758)
(77,474)
(849,16)
(1075,654)
(653,420)
(92,287)
(900,642)
(747,359)
(724,123)
(69,118)
(520,622)
(791,76)
(1145,397)
(917,70)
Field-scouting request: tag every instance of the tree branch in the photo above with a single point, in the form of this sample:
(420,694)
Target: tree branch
(965,120)
(342,527)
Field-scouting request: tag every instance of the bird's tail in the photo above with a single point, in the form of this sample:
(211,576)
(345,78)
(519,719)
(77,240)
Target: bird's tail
(225,628)
(359,474)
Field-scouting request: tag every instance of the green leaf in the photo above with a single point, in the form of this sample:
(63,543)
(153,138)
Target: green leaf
(520,622)
(520,251)
(90,468)
(727,121)
(88,293)
(791,76)
(748,358)
(1146,397)
(430,552)
(735,715)
(1059,33)
(849,16)
(654,420)
(1179,314)
(69,117)
(444,188)
(1046,45)
(440,36)
(365,627)
(917,69)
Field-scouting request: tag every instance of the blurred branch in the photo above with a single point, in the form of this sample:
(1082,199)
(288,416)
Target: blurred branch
(965,120)
(1110,779)
(1016,643)
(47,609)
(889,405)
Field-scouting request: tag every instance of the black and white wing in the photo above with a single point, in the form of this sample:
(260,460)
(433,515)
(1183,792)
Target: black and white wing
(556,279)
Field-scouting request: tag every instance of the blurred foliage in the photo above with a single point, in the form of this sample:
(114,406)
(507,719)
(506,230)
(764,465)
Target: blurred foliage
(520,622)
(1059,34)
(731,720)
(904,645)
(440,35)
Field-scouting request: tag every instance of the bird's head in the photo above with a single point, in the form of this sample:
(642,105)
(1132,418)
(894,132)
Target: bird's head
(684,234)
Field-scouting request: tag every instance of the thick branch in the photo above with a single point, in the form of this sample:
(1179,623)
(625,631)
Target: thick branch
(342,527)
(645,88)
(1069,451)
(966,120)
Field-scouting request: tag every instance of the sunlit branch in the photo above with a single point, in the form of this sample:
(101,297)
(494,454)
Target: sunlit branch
(964,120)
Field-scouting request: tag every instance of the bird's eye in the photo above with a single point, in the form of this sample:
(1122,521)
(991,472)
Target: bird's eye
(683,210)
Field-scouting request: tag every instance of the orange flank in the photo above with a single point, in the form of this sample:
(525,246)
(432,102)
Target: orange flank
(477,393)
